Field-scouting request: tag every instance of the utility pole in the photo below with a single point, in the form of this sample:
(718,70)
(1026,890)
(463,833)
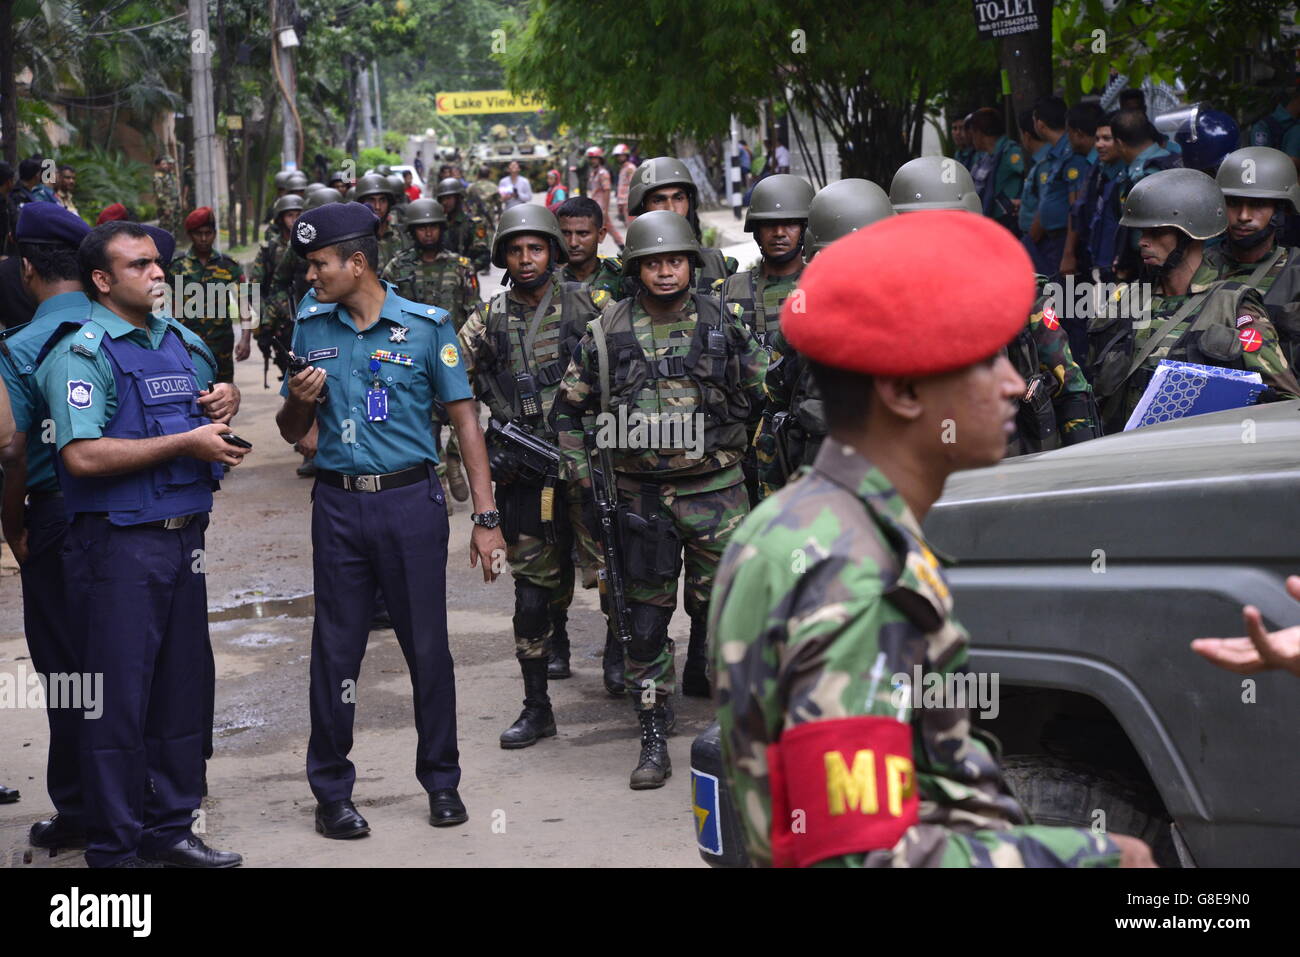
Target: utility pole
(286,78)
(379,112)
(203,121)
(367,121)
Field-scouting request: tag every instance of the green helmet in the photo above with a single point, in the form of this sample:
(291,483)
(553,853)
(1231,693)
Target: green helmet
(339,176)
(448,187)
(351,195)
(286,202)
(296,181)
(933,182)
(397,187)
(424,212)
(1185,199)
(528,218)
(282,178)
(658,231)
(322,196)
(1260,172)
(654,174)
(778,198)
(840,208)
(372,184)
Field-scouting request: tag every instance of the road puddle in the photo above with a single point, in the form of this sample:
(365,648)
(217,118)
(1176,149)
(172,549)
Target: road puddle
(303,606)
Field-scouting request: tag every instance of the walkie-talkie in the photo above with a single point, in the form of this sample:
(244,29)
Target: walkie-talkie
(296,364)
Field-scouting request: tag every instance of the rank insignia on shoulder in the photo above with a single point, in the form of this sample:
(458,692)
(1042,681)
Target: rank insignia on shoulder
(1015,157)
(598,296)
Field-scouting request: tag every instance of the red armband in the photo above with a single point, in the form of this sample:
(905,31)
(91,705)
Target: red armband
(844,786)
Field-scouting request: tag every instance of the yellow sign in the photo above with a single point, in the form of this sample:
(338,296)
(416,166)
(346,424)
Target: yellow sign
(487,101)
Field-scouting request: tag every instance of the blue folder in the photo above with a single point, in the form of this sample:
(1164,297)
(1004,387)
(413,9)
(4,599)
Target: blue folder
(1179,389)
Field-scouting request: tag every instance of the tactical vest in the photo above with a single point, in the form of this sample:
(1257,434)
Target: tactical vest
(807,407)
(1103,222)
(713,269)
(556,338)
(1037,429)
(436,283)
(699,374)
(749,299)
(155,396)
(1205,334)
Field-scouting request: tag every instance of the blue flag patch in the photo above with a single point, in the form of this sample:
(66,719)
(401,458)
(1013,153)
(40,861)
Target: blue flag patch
(80,393)
(704,805)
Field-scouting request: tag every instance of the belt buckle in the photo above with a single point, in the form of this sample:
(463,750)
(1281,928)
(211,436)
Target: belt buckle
(365,483)
(179,521)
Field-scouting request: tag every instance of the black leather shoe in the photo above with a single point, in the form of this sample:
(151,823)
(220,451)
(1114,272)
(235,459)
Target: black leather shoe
(55,833)
(446,808)
(9,795)
(192,852)
(339,820)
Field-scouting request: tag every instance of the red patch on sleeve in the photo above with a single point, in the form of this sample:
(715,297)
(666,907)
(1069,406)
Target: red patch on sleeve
(1049,318)
(843,786)
(1251,340)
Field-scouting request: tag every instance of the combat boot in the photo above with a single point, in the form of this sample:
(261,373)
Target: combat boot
(537,720)
(653,768)
(558,665)
(308,467)
(695,678)
(456,478)
(612,663)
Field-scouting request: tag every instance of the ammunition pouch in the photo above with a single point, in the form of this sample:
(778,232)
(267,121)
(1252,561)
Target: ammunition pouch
(1216,345)
(532,509)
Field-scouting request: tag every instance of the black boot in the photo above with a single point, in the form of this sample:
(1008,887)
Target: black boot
(653,768)
(558,665)
(537,720)
(695,679)
(612,663)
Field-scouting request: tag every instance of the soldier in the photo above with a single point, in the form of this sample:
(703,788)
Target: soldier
(287,181)
(339,180)
(376,192)
(465,234)
(427,272)
(794,420)
(664,182)
(778,218)
(829,601)
(1193,316)
(276,320)
(1000,175)
(1259,189)
(682,377)
(205,266)
(378,518)
(167,194)
(583,226)
(1142,155)
(483,199)
(517,347)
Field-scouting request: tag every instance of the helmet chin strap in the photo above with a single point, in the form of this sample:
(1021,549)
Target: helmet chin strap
(542,277)
(1177,256)
(1254,240)
(785,257)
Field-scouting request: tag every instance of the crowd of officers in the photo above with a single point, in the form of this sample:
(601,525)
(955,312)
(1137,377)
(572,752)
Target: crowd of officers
(671,333)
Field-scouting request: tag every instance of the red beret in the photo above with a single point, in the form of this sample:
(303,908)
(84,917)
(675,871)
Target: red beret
(199,218)
(111,214)
(914,295)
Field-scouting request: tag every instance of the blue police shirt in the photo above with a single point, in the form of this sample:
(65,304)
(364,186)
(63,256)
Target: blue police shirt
(1029,195)
(19,349)
(1063,173)
(419,363)
(65,364)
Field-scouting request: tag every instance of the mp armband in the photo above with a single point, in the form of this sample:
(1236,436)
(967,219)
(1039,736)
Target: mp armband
(843,786)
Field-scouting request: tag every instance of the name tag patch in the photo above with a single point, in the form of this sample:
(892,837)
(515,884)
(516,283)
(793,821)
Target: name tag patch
(80,393)
(316,354)
(167,386)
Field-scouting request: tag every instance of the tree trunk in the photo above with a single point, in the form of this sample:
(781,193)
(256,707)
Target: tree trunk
(8,87)
(1027,58)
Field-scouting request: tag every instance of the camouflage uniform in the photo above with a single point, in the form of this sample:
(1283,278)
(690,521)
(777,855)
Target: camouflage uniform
(540,552)
(1279,285)
(484,200)
(288,286)
(1066,414)
(825,594)
(467,236)
(390,245)
(1251,341)
(607,277)
(215,330)
(698,501)
(273,322)
(794,401)
(448,282)
(166,188)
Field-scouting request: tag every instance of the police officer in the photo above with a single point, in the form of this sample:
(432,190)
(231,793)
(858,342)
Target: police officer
(32,513)
(583,226)
(466,234)
(1057,179)
(376,191)
(517,348)
(664,182)
(277,318)
(428,272)
(804,650)
(1259,190)
(378,363)
(794,420)
(696,373)
(1095,214)
(778,218)
(138,510)
(1194,317)
(1000,174)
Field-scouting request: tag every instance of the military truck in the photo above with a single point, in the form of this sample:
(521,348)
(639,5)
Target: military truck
(504,145)
(1082,575)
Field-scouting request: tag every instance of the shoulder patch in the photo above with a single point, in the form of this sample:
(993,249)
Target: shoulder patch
(462,260)
(1015,159)
(737,310)
(449,355)
(598,296)
(310,308)
(430,313)
(1072,173)
(615,263)
(80,393)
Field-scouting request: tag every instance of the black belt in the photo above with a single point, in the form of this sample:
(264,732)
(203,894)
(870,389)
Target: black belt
(373,483)
(45,496)
(170,524)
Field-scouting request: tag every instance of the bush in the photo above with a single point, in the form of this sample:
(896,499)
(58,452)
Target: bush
(373,156)
(105,178)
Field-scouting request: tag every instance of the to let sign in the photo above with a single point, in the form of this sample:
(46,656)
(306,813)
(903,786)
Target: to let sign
(1004,18)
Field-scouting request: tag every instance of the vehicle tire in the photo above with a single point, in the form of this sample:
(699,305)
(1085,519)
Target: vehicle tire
(1066,793)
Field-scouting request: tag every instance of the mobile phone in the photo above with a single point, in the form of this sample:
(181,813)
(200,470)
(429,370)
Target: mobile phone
(236,441)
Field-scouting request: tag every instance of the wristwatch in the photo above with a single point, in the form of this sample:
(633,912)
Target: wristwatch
(486,519)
